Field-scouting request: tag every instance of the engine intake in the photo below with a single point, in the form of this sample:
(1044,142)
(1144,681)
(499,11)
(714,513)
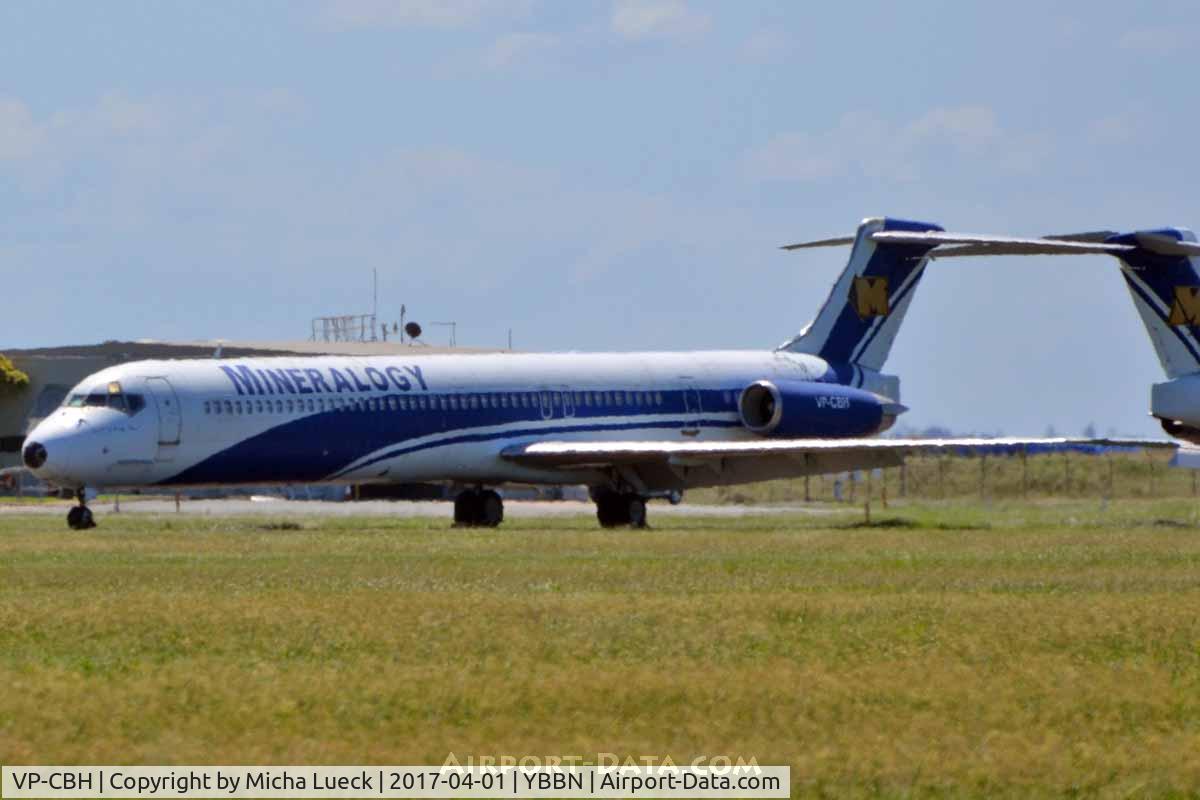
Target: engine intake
(798,410)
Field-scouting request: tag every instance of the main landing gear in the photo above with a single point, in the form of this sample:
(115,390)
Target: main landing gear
(615,509)
(478,508)
(79,518)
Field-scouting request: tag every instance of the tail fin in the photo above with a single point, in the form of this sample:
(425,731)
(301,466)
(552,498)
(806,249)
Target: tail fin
(860,318)
(1160,268)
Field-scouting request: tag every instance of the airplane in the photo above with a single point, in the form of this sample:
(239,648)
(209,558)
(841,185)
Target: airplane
(630,426)
(1160,271)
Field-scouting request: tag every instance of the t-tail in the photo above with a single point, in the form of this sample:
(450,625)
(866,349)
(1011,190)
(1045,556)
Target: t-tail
(1160,269)
(863,312)
(855,329)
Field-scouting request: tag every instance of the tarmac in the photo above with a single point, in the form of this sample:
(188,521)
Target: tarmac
(275,506)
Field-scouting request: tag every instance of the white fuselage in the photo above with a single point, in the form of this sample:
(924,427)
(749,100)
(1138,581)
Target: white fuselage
(388,419)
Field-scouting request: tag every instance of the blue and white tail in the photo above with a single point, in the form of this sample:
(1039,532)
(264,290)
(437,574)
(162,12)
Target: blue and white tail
(862,315)
(1160,268)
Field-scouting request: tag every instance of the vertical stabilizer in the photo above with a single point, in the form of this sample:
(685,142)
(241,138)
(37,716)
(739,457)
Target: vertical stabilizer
(862,315)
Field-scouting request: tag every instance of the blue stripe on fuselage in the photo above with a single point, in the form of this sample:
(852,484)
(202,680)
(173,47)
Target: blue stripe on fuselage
(320,446)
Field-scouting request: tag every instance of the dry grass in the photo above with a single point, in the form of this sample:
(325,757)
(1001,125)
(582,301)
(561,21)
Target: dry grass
(1142,475)
(1013,650)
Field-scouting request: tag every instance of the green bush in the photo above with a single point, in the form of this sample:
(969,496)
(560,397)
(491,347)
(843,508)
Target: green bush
(11,378)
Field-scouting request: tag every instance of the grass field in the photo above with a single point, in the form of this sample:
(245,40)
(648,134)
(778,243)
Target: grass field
(1007,649)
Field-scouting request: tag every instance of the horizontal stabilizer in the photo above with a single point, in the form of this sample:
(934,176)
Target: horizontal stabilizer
(948,245)
(837,242)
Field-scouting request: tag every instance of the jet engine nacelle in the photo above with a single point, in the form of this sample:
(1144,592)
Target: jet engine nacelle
(789,410)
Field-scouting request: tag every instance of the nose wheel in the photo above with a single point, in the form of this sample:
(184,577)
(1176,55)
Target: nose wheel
(79,518)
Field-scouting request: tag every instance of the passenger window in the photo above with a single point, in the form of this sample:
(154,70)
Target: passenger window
(557,399)
(228,407)
(216,406)
(658,401)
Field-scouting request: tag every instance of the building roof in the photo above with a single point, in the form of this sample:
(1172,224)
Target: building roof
(206,348)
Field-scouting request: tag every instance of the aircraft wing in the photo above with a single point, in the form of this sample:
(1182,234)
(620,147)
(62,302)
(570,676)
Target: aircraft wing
(608,453)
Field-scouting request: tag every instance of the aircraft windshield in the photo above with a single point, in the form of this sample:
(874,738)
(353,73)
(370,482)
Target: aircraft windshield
(108,397)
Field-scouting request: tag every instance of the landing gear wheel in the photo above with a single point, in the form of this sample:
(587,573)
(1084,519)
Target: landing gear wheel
(609,509)
(491,509)
(635,510)
(614,509)
(466,508)
(478,509)
(79,518)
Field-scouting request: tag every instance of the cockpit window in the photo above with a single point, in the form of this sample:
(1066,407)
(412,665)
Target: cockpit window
(126,402)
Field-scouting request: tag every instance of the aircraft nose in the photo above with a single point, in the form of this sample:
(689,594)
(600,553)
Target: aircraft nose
(34,455)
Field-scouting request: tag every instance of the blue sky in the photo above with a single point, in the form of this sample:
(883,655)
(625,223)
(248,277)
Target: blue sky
(599,175)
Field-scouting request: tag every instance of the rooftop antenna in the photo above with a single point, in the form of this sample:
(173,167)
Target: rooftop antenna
(453,326)
(374,299)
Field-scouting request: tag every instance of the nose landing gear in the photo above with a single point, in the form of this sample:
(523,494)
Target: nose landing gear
(79,518)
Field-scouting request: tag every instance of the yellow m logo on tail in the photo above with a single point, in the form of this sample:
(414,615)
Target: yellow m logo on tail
(1186,308)
(869,297)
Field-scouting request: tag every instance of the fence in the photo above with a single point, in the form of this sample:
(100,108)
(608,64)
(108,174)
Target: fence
(1116,475)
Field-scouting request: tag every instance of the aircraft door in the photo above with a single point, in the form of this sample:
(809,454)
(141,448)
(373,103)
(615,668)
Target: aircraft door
(568,403)
(170,420)
(546,403)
